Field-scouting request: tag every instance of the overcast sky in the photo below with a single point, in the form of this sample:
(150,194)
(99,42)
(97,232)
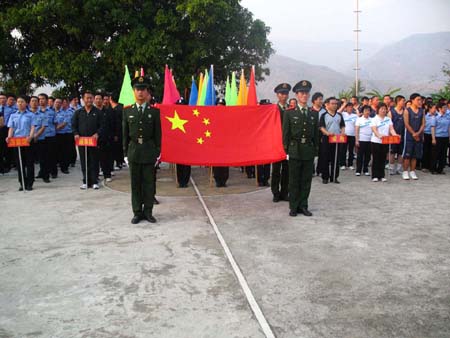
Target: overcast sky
(381,21)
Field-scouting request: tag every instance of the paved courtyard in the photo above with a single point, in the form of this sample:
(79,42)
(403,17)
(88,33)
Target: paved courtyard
(374,261)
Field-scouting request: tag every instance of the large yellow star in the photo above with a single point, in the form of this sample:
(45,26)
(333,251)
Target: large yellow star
(196,112)
(206,122)
(200,140)
(177,123)
(207,133)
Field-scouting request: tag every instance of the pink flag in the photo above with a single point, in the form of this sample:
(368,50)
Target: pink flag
(171,94)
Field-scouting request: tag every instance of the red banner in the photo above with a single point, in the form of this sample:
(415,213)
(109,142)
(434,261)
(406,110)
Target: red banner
(337,139)
(15,142)
(390,139)
(86,142)
(220,135)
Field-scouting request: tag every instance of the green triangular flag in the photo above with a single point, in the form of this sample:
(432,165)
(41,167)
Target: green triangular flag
(233,91)
(126,93)
(227,91)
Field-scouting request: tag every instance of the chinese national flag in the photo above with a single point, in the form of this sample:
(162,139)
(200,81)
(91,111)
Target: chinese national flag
(221,135)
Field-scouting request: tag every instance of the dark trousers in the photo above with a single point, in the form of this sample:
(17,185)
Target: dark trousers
(379,153)
(327,159)
(263,173)
(183,174)
(4,165)
(363,159)
(118,152)
(439,154)
(106,160)
(250,171)
(42,157)
(92,158)
(52,153)
(27,165)
(142,188)
(350,147)
(73,150)
(280,179)
(427,151)
(221,175)
(300,177)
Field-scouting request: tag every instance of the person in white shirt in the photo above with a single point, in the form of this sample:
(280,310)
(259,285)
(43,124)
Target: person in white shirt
(363,134)
(381,126)
(350,117)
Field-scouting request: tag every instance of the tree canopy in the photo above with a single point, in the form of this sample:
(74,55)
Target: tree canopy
(86,44)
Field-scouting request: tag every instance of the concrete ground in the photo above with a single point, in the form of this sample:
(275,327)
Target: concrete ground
(374,261)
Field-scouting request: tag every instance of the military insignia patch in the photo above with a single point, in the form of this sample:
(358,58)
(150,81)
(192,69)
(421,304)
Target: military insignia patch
(141,79)
(304,83)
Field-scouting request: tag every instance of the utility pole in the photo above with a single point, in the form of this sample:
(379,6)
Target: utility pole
(357,49)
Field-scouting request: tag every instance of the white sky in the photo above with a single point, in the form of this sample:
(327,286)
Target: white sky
(381,21)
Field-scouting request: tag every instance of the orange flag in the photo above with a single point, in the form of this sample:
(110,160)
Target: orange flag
(252,99)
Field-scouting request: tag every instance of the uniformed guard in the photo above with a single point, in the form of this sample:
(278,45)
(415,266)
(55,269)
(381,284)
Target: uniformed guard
(301,143)
(141,127)
(280,170)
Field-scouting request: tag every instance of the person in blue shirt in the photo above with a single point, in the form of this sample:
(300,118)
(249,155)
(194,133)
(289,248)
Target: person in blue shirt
(63,130)
(442,140)
(9,109)
(72,149)
(429,138)
(4,166)
(20,124)
(50,135)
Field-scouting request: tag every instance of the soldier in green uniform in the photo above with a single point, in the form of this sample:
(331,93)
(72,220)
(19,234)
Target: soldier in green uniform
(141,126)
(301,143)
(280,170)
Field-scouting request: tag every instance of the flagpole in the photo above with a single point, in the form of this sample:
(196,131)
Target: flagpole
(21,169)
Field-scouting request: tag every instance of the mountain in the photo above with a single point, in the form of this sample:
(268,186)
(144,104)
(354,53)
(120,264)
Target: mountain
(414,62)
(285,69)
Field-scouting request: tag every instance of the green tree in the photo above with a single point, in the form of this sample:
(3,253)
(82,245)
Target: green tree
(86,44)
(444,92)
(380,94)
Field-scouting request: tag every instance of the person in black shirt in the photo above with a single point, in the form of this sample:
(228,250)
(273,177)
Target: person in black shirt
(86,122)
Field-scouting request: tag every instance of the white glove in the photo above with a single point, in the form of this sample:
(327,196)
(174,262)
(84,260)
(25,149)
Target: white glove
(158,160)
(126,160)
(287,157)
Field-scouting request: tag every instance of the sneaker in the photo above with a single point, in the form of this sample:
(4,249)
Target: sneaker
(109,179)
(391,172)
(95,186)
(113,173)
(405,175)
(375,179)
(351,168)
(83,186)
(399,169)
(384,179)
(343,167)
(413,175)
(367,173)
(357,174)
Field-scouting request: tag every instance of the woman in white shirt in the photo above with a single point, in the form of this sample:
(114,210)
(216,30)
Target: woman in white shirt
(381,126)
(350,117)
(363,134)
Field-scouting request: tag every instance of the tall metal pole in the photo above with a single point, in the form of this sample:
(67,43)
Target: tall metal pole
(357,49)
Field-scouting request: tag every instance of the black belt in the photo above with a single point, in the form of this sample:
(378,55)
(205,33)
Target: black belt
(302,140)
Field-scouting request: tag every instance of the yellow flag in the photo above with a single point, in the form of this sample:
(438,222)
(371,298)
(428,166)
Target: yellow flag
(242,96)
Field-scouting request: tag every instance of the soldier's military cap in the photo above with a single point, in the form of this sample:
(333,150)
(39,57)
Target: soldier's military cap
(302,86)
(283,88)
(264,101)
(141,82)
(221,102)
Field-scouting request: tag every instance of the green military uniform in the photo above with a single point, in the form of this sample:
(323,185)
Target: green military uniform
(301,143)
(280,170)
(142,145)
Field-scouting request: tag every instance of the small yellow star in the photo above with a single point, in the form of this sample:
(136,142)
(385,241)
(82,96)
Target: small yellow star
(196,112)
(200,140)
(207,133)
(177,123)
(206,122)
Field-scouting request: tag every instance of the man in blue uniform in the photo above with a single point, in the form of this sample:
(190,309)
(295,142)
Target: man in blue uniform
(50,135)
(20,124)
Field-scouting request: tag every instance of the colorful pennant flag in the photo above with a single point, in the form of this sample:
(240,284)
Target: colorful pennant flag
(210,98)
(126,92)
(171,94)
(252,99)
(193,97)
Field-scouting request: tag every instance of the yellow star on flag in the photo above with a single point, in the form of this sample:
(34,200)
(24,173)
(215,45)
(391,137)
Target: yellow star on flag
(206,122)
(207,133)
(177,123)
(200,140)
(196,112)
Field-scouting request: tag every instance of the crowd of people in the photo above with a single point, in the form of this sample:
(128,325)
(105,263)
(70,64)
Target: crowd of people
(51,126)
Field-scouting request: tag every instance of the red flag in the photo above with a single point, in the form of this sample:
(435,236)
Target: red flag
(252,100)
(221,135)
(171,94)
